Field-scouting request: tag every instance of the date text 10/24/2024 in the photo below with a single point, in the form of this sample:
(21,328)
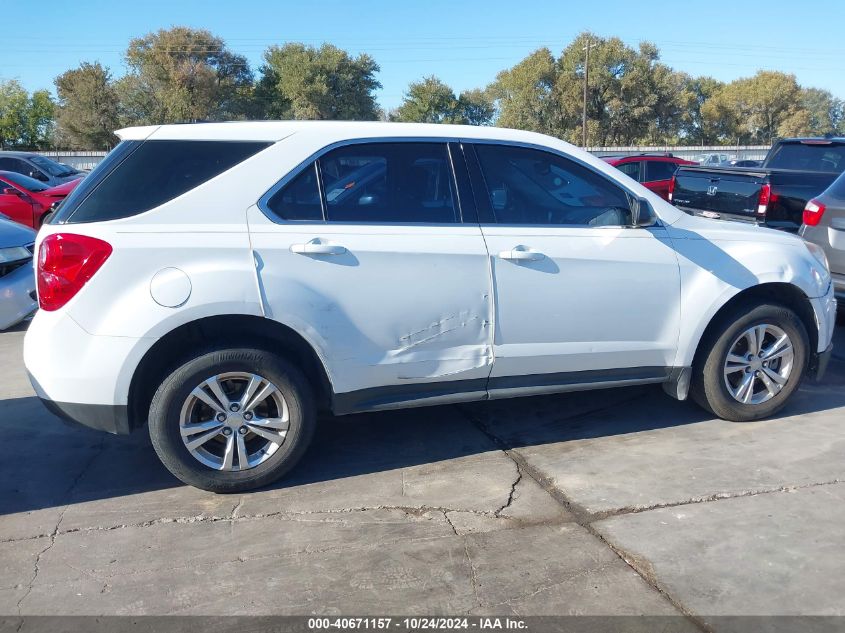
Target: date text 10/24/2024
(417,623)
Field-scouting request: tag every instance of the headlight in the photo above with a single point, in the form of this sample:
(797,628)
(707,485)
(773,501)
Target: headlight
(14,254)
(818,252)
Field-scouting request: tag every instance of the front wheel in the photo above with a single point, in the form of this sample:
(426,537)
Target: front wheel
(232,420)
(751,363)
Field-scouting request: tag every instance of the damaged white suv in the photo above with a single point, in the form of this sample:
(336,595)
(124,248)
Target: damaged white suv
(221,282)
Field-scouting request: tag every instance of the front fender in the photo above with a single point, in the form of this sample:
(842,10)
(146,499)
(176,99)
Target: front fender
(714,271)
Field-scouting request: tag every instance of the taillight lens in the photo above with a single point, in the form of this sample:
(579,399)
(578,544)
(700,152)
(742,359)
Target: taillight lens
(764,199)
(672,188)
(65,263)
(813,212)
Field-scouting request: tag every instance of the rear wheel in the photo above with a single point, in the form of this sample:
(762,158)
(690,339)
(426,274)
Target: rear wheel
(232,420)
(752,363)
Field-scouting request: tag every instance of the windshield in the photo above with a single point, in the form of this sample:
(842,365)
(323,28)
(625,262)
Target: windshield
(24,181)
(825,157)
(52,167)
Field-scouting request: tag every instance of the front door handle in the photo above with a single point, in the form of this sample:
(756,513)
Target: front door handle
(317,247)
(521,254)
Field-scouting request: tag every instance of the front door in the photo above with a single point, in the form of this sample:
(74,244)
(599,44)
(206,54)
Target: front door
(15,204)
(576,288)
(364,251)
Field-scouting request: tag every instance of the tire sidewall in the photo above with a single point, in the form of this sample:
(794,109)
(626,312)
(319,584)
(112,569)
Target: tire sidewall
(718,398)
(166,406)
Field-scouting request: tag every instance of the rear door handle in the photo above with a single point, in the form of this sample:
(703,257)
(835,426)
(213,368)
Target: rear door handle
(521,254)
(317,247)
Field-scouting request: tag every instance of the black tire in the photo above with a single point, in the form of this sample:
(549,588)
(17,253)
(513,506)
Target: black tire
(172,393)
(708,387)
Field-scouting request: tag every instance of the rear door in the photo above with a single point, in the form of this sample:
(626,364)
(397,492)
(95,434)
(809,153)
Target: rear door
(579,294)
(367,252)
(658,175)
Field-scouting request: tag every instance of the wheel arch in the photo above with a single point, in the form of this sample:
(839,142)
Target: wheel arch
(211,333)
(782,293)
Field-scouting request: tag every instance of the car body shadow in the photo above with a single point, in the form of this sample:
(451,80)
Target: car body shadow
(52,464)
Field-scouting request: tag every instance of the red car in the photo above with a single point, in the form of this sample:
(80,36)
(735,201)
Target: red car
(26,200)
(654,171)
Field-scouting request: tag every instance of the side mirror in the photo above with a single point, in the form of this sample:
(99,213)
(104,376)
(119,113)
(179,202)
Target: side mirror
(642,213)
(10,191)
(38,175)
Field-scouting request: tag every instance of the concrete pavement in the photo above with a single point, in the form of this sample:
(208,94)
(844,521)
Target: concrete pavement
(612,502)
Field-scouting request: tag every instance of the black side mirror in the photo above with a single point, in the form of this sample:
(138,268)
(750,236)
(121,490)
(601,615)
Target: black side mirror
(642,213)
(38,175)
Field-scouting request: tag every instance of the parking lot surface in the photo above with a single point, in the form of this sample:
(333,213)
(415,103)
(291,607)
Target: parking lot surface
(603,502)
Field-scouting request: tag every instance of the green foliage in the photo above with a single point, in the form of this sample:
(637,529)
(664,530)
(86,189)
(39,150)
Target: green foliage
(182,75)
(26,121)
(304,82)
(432,101)
(525,94)
(88,108)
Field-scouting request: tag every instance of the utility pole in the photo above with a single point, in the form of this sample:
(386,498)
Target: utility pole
(586,82)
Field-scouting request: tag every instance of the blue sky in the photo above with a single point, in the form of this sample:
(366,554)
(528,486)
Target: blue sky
(464,43)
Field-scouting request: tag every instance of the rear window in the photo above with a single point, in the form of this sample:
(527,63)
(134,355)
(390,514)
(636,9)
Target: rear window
(808,157)
(139,176)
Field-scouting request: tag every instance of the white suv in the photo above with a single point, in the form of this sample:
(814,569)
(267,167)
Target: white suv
(221,282)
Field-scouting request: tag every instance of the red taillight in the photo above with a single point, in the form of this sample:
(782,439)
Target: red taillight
(65,263)
(765,198)
(671,188)
(813,212)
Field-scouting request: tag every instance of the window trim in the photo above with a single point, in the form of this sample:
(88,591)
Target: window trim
(315,157)
(485,208)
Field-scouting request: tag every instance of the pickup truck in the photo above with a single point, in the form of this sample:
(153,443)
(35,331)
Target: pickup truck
(772,195)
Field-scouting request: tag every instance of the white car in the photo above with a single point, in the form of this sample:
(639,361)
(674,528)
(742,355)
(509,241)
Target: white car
(221,282)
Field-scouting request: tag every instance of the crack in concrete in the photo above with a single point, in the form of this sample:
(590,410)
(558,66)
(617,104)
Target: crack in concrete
(512,495)
(582,516)
(719,496)
(473,576)
(55,532)
(449,521)
(411,511)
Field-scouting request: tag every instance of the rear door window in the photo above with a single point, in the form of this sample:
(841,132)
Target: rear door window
(140,176)
(389,183)
(300,198)
(631,169)
(659,170)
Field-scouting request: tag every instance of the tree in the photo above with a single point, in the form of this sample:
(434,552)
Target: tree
(631,96)
(26,121)
(524,95)
(759,108)
(432,101)
(182,75)
(825,112)
(88,107)
(476,107)
(305,82)
(695,128)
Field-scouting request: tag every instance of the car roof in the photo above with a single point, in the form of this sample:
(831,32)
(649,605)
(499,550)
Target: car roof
(17,154)
(821,140)
(657,158)
(333,131)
